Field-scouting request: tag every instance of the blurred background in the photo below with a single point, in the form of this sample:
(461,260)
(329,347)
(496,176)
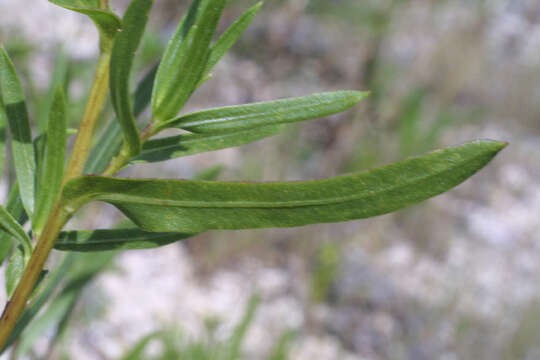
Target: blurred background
(456,277)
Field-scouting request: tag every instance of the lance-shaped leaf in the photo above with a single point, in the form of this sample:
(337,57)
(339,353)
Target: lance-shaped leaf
(21,142)
(123,53)
(229,37)
(117,239)
(194,206)
(233,118)
(107,22)
(175,84)
(50,176)
(189,144)
(110,141)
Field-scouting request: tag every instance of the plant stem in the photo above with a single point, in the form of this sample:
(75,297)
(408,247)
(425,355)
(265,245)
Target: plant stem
(17,303)
(60,215)
(123,156)
(94,106)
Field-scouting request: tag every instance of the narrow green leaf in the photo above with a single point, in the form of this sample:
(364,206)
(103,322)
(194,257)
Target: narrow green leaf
(15,207)
(232,118)
(58,78)
(110,141)
(194,206)
(107,22)
(118,239)
(3,124)
(10,225)
(175,86)
(175,51)
(50,177)
(123,53)
(17,115)
(229,38)
(137,352)
(14,270)
(189,144)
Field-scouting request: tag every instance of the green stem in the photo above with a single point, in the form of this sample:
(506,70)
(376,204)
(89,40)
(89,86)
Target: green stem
(94,106)
(60,215)
(119,161)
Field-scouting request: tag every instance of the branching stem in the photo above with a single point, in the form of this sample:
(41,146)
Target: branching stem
(59,215)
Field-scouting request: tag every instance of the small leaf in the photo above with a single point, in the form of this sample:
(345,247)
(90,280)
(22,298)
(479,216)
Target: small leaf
(175,86)
(14,270)
(11,226)
(189,144)
(50,177)
(110,141)
(232,118)
(123,53)
(118,239)
(107,23)
(15,208)
(229,37)
(17,115)
(195,206)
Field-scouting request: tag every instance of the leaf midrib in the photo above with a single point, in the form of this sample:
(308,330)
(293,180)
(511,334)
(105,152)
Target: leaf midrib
(137,200)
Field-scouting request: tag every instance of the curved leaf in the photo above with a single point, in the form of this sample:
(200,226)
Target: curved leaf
(118,239)
(15,208)
(189,144)
(232,118)
(50,178)
(175,83)
(10,225)
(19,126)
(123,52)
(107,23)
(194,206)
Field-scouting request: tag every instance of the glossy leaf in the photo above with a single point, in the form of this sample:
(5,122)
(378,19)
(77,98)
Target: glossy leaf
(107,23)
(50,177)
(229,37)
(194,206)
(232,118)
(118,239)
(21,137)
(123,53)
(189,144)
(110,141)
(184,62)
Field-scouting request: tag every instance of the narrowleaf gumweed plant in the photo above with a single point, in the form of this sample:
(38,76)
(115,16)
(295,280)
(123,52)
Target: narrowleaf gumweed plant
(50,186)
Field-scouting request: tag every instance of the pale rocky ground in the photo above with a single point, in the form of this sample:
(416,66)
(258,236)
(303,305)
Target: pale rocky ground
(392,299)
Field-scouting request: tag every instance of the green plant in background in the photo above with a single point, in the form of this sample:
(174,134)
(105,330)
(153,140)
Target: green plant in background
(47,193)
